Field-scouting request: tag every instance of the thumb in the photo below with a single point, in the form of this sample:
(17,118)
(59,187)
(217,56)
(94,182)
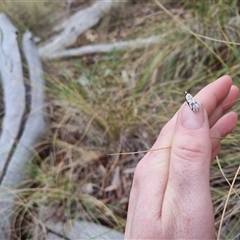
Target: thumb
(191,151)
(188,188)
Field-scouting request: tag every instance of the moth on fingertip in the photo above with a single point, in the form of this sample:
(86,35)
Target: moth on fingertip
(192,103)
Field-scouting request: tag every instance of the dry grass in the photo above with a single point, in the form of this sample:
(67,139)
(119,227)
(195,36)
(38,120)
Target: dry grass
(113,103)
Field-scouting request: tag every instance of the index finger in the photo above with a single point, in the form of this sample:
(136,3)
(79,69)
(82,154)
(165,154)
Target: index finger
(214,94)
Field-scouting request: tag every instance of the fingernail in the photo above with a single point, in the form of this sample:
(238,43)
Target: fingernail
(190,119)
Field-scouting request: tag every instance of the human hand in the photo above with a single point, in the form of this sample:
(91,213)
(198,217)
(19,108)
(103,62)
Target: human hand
(170,196)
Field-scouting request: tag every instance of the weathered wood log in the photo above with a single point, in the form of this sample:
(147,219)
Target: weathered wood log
(53,228)
(13,89)
(73,27)
(14,107)
(81,230)
(35,126)
(104,48)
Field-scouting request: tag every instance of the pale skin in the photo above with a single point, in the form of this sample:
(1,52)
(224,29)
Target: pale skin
(170,196)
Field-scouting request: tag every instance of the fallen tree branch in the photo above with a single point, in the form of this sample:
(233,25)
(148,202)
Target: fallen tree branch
(82,230)
(73,27)
(14,106)
(72,230)
(104,48)
(13,89)
(35,126)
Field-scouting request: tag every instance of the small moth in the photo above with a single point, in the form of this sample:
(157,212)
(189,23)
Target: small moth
(192,103)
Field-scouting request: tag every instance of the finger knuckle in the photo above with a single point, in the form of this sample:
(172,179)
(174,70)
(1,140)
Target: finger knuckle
(190,150)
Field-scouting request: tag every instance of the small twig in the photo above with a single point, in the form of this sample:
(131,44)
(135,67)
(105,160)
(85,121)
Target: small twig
(148,150)
(143,151)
